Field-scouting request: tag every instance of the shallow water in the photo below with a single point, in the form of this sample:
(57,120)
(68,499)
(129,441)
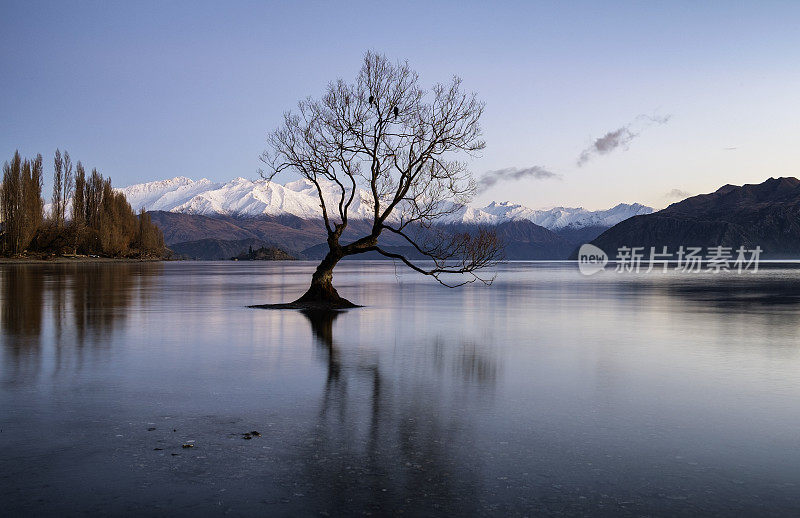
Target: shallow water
(546,393)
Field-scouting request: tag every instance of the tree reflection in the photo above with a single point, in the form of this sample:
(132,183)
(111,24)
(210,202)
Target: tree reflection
(386,445)
(21,314)
(87,303)
(466,361)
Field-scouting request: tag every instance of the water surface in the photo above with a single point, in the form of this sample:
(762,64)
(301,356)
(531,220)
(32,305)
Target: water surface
(546,393)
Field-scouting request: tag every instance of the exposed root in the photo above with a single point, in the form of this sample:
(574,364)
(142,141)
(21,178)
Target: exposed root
(316,298)
(310,305)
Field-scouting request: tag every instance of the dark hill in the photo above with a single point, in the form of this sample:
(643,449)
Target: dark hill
(765,215)
(205,237)
(292,234)
(264,253)
(213,249)
(526,240)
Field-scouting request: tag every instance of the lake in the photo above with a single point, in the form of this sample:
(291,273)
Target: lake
(547,393)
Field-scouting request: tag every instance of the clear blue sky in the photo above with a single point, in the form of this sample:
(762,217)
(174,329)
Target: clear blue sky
(146,91)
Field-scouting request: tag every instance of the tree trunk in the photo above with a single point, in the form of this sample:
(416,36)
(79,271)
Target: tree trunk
(321,293)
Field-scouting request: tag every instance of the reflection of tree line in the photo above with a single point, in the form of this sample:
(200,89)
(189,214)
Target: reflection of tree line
(470,364)
(88,301)
(385,448)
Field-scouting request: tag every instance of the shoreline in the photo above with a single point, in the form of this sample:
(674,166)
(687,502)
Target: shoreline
(76,259)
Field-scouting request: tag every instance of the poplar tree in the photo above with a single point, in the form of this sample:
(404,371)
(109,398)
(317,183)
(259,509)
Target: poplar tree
(63,182)
(79,205)
(21,202)
(102,221)
(11,200)
(58,188)
(69,183)
(32,204)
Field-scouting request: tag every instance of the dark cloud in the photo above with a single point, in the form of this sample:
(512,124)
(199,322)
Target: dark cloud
(490,178)
(677,193)
(607,143)
(620,137)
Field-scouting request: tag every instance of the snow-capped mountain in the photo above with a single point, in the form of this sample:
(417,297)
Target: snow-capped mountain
(553,219)
(238,197)
(247,198)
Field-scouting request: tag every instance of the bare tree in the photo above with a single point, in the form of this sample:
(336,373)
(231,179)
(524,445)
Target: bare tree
(387,136)
(93,198)
(33,210)
(102,219)
(21,202)
(57,210)
(11,203)
(63,182)
(69,185)
(79,206)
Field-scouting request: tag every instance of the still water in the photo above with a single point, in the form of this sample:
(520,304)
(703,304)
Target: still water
(546,393)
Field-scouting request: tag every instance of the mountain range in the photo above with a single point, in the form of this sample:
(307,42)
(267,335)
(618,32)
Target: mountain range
(241,197)
(765,215)
(204,219)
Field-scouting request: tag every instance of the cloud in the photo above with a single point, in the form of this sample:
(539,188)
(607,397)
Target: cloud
(677,193)
(489,178)
(620,137)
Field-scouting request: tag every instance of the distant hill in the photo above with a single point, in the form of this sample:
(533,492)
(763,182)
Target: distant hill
(525,240)
(264,253)
(211,238)
(213,249)
(291,233)
(578,236)
(765,215)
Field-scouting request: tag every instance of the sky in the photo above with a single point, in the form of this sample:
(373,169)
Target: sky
(587,103)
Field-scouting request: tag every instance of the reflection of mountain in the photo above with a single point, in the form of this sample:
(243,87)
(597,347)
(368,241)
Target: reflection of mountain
(89,301)
(737,292)
(384,447)
(765,215)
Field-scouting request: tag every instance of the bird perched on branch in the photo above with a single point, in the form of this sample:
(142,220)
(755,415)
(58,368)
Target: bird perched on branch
(396,111)
(371,99)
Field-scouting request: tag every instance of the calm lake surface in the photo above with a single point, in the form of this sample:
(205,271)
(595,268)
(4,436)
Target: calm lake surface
(547,393)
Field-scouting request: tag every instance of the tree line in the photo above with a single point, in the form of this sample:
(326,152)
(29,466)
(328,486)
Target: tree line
(87,215)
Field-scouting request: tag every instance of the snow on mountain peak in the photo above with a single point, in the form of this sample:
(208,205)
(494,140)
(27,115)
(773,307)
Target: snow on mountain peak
(251,198)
